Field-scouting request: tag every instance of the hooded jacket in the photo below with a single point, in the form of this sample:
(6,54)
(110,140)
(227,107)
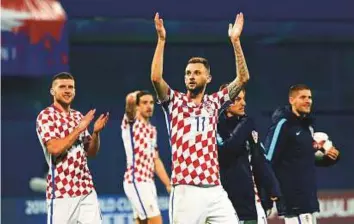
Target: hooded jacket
(289,147)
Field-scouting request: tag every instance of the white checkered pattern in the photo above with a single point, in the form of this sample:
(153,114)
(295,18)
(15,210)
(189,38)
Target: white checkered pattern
(71,174)
(192,130)
(140,161)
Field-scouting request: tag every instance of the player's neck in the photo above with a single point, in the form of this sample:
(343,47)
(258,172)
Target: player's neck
(297,114)
(64,108)
(196,98)
(144,120)
(228,114)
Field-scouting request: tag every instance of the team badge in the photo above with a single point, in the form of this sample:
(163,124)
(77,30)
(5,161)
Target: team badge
(208,107)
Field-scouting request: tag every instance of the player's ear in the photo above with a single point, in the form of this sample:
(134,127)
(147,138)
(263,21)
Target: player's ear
(209,78)
(52,92)
(291,100)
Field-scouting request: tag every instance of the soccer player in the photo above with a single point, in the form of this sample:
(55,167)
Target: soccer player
(197,196)
(290,148)
(140,143)
(245,173)
(66,142)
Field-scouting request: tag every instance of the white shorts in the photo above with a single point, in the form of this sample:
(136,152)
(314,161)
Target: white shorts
(261,216)
(306,218)
(81,209)
(143,198)
(199,205)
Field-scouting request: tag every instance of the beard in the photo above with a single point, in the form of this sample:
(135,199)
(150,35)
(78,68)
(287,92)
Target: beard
(196,90)
(65,102)
(146,115)
(303,113)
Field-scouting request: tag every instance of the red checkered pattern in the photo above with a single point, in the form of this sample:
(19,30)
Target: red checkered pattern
(193,137)
(140,161)
(71,174)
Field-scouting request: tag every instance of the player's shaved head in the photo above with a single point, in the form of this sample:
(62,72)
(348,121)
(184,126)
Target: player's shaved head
(293,90)
(62,75)
(204,61)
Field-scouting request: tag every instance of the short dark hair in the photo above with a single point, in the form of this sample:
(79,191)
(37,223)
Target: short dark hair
(297,87)
(226,84)
(141,94)
(62,75)
(201,60)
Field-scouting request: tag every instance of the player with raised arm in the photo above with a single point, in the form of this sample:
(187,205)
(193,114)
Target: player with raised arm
(140,143)
(197,196)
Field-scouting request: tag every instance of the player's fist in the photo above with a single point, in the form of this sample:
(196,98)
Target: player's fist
(160,29)
(131,97)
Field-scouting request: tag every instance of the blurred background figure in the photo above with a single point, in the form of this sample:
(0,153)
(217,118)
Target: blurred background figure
(39,183)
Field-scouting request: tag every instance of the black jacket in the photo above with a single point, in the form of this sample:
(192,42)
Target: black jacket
(236,144)
(289,146)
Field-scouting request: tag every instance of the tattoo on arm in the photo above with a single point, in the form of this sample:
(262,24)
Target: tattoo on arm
(158,82)
(234,88)
(242,74)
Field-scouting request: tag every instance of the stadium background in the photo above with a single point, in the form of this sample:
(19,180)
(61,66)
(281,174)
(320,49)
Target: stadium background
(108,46)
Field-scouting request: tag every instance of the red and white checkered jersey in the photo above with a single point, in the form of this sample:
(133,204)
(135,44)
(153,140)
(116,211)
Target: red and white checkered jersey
(140,143)
(192,130)
(69,171)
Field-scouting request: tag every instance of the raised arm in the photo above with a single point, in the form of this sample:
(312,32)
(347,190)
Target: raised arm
(242,74)
(158,82)
(130,105)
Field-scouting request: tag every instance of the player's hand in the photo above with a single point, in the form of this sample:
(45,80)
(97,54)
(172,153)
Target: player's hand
(332,153)
(235,30)
(86,120)
(131,97)
(100,122)
(269,212)
(168,188)
(160,29)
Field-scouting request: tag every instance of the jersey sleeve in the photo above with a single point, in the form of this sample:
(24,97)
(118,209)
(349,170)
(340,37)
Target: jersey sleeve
(221,97)
(46,127)
(125,122)
(172,97)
